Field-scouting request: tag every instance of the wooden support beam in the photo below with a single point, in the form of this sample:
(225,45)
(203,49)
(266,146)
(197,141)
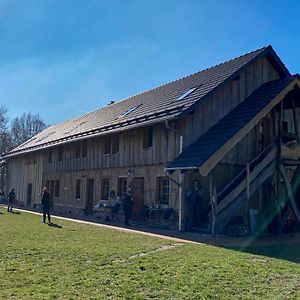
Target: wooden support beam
(295,119)
(290,192)
(212,201)
(213,210)
(247,182)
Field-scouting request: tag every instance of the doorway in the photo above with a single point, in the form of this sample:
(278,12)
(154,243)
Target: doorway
(137,192)
(51,190)
(29,194)
(89,204)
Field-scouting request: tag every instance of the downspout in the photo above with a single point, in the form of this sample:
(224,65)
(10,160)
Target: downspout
(180,175)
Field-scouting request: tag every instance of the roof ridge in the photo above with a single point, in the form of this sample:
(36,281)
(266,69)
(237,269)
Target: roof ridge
(115,102)
(186,76)
(107,112)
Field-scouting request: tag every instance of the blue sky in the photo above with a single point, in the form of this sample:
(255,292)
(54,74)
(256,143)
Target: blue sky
(65,58)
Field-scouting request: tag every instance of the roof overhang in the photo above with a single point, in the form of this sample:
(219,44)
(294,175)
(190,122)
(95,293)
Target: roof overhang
(212,161)
(86,136)
(205,153)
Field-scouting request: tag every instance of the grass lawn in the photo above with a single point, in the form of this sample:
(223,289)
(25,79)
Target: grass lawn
(81,261)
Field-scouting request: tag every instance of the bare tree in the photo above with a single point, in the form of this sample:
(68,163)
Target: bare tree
(25,127)
(4,143)
(22,129)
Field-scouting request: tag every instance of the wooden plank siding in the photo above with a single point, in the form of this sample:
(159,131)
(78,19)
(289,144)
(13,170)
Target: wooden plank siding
(226,98)
(147,163)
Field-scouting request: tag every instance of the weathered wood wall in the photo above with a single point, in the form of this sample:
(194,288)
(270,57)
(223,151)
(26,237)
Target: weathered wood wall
(226,98)
(23,170)
(148,163)
(68,181)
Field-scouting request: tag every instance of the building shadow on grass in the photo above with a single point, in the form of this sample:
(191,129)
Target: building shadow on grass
(54,225)
(288,252)
(283,246)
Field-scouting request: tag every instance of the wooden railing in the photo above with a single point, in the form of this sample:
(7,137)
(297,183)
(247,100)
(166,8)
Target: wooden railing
(241,176)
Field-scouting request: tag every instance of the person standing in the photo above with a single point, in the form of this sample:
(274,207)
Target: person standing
(127,207)
(46,205)
(193,199)
(11,199)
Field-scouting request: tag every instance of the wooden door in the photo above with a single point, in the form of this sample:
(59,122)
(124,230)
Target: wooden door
(89,204)
(51,190)
(137,192)
(29,194)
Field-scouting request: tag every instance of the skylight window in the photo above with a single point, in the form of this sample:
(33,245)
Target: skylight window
(74,127)
(128,111)
(46,136)
(187,93)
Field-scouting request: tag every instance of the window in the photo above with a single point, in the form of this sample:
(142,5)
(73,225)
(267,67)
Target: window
(81,149)
(265,133)
(111,144)
(77,150)
(56,189)
(50,156)
(106,144)
(147,137)
(122,186)
(52,188)
(60,153)
(105,189)
(84,149)
(115,144)
(163,185)
(128,111)
(187,93)
(77,189)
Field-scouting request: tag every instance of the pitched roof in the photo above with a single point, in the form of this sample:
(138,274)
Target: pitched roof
(149,107)
(196,154)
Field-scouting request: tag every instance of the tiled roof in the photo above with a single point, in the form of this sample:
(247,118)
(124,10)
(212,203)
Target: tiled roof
(151,106)
(197,153)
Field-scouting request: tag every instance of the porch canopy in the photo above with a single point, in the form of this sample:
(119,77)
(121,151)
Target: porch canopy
(211,147)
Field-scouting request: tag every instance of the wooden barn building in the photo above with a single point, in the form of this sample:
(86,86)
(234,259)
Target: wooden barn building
(234,127)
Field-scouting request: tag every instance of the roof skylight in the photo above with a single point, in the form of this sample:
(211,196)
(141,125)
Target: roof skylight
(187,93)
(74,127)
(128,111)
(45,136)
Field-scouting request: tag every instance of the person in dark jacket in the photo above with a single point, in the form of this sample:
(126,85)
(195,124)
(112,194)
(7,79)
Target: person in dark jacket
(11,199)
(46,205)
(127,207)
(193,202)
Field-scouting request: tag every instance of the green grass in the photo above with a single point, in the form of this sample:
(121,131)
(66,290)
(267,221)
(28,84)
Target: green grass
(81,261)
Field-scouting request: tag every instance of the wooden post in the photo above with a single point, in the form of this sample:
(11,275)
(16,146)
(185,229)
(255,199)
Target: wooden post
(273,117)
(210,186)
(213,210)
(295,119)
(247,182)
(180,208)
